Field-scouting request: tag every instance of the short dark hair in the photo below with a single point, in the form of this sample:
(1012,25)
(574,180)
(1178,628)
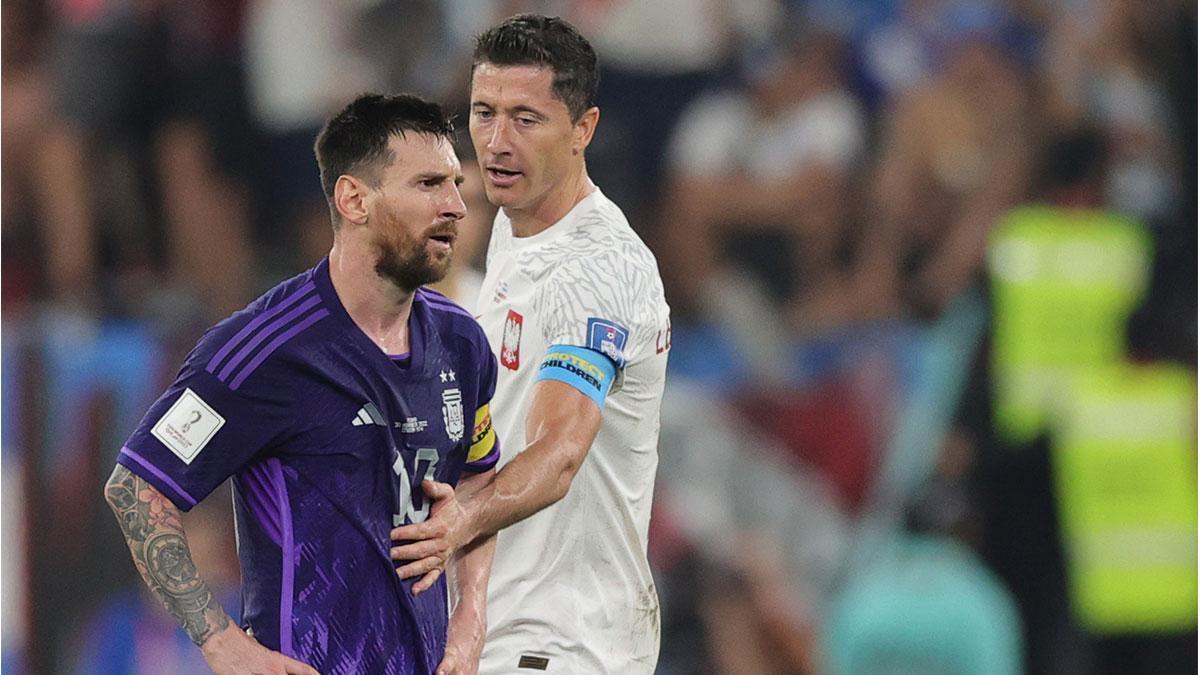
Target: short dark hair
(533,39)
(1073,158)
(356,139)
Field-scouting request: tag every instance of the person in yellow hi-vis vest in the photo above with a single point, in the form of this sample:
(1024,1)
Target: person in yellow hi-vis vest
(1124,459)
(1118,440)
(1064,282)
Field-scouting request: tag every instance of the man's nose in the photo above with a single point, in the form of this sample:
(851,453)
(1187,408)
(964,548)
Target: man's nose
(498,140)
(454,207)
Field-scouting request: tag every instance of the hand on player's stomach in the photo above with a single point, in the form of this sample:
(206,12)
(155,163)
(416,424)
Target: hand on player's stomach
(429,545)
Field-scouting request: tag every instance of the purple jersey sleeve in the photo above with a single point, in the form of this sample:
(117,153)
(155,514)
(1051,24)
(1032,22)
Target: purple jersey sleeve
(199,432)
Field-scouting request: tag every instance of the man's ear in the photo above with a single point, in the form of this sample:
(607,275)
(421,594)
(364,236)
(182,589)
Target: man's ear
(584,129)
(350,199)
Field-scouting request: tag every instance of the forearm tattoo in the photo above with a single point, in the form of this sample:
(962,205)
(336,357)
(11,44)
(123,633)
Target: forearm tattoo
(154,531)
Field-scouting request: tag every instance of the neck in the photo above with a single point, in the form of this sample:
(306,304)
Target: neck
(377,306)
(551,209)
(1077,197)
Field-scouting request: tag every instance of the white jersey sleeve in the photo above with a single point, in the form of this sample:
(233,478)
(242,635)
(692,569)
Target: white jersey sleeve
(599,301)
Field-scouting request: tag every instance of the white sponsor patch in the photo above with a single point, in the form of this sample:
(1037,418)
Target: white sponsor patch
(188,426)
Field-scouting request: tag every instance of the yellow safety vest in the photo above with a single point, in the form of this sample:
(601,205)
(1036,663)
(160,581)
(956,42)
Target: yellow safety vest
(1124,459)
(1064,283)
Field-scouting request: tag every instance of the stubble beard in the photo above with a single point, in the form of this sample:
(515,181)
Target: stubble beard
(406,262)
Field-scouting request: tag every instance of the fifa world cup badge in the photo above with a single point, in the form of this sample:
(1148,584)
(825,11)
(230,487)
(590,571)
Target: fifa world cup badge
(510,345)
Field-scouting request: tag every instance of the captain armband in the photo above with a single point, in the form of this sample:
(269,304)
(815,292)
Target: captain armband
(588,371)
(483,438)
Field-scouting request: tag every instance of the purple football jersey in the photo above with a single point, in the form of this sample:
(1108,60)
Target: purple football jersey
(327,439)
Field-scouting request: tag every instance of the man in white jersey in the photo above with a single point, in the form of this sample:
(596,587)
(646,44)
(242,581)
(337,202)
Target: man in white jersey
(573,306)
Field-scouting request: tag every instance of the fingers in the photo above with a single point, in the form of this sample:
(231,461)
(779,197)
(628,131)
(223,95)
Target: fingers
(419,567)
(440,522)
(436,491)
(426,581)
(429,529)
(418,550)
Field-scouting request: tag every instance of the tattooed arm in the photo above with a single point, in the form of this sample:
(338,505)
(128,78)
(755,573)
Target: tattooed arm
(154,531)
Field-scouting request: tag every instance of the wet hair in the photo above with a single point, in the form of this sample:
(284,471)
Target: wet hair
(355,141)
(536,40)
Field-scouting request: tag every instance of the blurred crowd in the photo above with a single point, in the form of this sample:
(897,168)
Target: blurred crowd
(908,244)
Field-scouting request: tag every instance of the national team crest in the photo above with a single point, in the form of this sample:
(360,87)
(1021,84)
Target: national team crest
(452,413)
(510,345)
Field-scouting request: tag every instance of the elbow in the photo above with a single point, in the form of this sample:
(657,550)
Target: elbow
(561,486)
(109,486)
(562,482)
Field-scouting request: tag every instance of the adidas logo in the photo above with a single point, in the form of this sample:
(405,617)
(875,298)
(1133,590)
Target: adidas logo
(368,414)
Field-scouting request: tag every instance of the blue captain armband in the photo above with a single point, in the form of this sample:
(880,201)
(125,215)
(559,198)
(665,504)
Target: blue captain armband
(587,370)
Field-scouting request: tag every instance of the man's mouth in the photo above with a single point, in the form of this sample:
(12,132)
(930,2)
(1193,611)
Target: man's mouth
(443,240)
(501,176)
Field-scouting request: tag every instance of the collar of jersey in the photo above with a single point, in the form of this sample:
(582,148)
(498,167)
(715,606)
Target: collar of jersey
(564,224)
(419,333)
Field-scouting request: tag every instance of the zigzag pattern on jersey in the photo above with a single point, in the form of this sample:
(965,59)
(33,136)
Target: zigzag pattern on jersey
(601,269)
(246,351)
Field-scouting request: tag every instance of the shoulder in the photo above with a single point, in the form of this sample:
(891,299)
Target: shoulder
(447,311)
(238,346)
(604,249)
(450,319)
(608,274)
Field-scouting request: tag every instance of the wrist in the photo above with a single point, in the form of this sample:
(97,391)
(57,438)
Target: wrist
(470,523)
(219,639)
(469,618)
(471,604)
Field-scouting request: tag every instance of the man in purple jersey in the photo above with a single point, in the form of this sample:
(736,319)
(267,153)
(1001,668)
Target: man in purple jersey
(344,402)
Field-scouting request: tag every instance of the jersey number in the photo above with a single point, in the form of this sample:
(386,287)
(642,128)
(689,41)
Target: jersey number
(408,492)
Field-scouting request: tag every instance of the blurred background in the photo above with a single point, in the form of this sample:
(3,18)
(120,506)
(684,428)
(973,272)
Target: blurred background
(931,263)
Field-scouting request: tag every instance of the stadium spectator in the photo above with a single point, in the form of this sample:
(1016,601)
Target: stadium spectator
(658,56)
(896,49)
(758,183)
(148,102)
(954,155)
(27,100)
(301,65)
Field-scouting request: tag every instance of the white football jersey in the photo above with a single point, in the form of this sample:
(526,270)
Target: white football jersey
(571,590)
